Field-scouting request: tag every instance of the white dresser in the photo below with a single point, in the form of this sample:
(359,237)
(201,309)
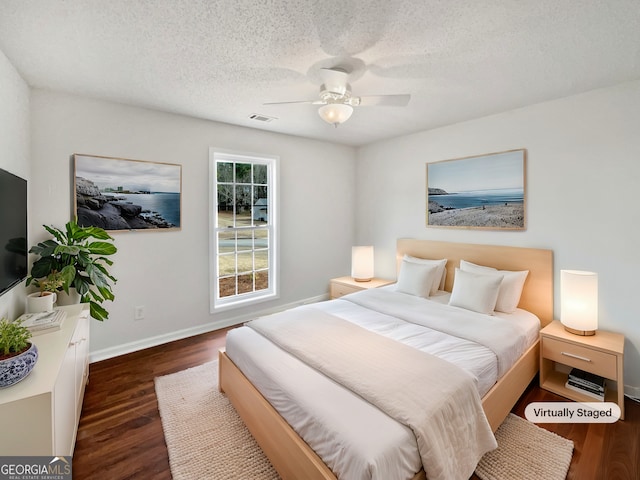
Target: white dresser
(42,411)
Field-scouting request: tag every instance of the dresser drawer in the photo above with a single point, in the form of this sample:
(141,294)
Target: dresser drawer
(337,290)
(594,361)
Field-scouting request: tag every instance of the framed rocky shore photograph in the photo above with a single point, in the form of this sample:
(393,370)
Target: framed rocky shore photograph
(123,194)
(485,191)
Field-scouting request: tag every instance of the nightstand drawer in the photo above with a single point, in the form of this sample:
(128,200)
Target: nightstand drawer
(594,361)
(338,290)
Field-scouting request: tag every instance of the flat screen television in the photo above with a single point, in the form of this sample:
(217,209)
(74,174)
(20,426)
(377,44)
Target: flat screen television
(13,230)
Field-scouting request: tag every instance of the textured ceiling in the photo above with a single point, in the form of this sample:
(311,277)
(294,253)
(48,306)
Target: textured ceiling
(221,60)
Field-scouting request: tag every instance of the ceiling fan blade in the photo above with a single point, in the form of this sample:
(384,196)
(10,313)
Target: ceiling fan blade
(308,102)
(334,80)
(385,100)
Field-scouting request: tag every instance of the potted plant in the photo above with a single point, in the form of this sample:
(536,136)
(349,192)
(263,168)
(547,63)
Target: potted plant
(17,355)
(51,283)
(79,256)
(47,295)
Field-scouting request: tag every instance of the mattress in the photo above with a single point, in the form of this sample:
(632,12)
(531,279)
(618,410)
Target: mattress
(355,439)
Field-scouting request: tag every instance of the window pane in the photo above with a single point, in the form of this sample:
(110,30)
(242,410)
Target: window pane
(261,238)
(245,283)
(245,242)
(227,287)
(226,265)
(243,206)
(262,280)
(261,259)
(225,206)
(260,205)
(245,262)
(227,241)
(260,174)
(259,192)
(243,173)
(225,171)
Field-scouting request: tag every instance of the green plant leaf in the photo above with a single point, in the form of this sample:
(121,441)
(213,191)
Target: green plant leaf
(82,233)
(43,267)
(106,293)
(97,311)
(96,276)
(67,249)
(81,284)
(105,272)
(44,249)
(84,258)
(57,234)
(102,248)
(68,274)
(14,337)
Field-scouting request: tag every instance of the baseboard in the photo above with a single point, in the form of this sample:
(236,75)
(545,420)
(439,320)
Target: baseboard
(154,341)
(632,392)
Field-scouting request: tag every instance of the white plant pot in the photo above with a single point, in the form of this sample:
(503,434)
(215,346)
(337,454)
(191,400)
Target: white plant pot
(71,298)
(37,303)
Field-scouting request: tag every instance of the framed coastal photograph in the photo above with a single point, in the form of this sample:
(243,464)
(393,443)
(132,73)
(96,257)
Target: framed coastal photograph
(123,194)
(485,191)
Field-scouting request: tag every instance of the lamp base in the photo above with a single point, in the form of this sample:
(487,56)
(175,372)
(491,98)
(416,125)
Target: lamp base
(584,333)
(363,279)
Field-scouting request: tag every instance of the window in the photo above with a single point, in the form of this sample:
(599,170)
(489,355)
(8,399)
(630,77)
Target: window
(243,229)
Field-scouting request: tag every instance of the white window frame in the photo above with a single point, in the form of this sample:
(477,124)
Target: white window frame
(218,303)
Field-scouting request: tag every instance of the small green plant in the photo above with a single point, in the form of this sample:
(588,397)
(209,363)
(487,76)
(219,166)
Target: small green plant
(52,283)
(14,337)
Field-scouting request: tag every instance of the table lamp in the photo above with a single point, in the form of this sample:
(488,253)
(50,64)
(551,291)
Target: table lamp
(579,301)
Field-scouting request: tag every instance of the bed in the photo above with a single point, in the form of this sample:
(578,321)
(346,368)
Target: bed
(293,457)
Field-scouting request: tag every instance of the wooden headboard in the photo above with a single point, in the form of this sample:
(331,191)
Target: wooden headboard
(537,295)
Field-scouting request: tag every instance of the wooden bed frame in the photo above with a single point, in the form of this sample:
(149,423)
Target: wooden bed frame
(294,459)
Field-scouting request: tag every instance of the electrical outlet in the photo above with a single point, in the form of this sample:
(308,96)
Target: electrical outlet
(138,313)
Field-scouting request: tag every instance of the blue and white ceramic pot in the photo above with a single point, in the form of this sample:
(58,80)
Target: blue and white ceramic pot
(16,368)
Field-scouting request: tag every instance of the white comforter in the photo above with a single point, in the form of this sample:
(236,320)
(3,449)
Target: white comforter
(436,399)
(355,439)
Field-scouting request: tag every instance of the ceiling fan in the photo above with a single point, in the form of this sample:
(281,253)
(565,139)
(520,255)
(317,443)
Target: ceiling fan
(336,99)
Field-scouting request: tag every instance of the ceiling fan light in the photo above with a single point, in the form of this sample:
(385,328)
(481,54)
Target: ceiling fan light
(335,113)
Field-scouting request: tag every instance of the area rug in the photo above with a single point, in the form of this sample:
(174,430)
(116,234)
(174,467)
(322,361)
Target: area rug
(526,452)
(207,440)
(205,437)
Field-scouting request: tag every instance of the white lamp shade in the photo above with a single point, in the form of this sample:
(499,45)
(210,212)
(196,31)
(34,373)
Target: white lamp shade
(362,263)
(579,300)
(335,113)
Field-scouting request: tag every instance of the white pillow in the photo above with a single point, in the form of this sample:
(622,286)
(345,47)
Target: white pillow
(475,291)
(510,289)
(416,278)
(441,274)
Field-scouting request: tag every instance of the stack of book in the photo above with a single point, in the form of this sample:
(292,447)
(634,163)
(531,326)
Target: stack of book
(586,383)
(43,322)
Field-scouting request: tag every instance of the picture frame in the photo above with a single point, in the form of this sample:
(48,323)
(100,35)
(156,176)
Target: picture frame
(120,194)
(478,192)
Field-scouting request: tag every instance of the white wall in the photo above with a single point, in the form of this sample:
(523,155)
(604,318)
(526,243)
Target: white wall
(167,272)
(14,154)
(583,176)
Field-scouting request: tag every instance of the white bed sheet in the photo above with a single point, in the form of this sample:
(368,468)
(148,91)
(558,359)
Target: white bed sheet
(356,440)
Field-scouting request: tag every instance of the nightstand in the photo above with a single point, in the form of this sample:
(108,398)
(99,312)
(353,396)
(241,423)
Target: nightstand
(345,285)
(601,354)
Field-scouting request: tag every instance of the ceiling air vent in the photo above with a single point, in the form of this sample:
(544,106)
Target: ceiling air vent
(261,118)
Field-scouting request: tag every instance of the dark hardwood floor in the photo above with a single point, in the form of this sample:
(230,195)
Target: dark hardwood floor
(120,434)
